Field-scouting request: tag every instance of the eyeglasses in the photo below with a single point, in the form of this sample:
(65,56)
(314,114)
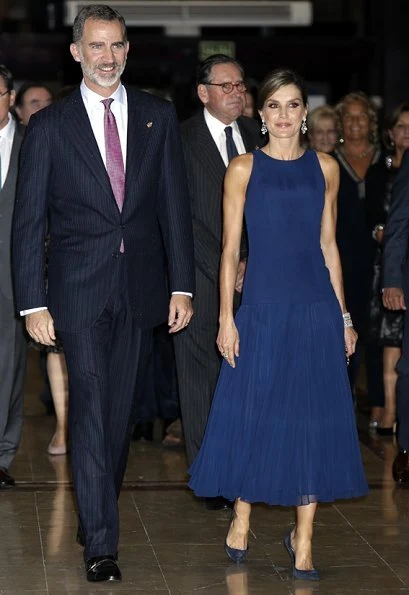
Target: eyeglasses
(228,87)
(4,93)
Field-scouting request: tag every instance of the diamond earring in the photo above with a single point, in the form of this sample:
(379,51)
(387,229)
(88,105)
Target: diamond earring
(263,127)
(304,126)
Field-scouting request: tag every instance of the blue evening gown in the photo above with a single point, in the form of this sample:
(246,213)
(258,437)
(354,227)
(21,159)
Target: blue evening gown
(282,427)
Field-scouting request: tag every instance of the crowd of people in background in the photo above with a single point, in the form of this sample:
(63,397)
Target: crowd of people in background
(369,151)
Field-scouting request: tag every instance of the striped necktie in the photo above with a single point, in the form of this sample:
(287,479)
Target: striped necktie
(114,159)
(230,146)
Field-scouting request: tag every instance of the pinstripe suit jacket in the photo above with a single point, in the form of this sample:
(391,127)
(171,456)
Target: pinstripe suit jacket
(62,173)
(7,200)
(205,172)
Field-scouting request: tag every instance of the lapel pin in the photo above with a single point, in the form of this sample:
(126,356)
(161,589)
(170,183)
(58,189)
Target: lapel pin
(149,124)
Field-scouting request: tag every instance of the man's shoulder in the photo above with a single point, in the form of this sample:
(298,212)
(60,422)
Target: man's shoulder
(20,130)
(249,124)
(141,98)
(55,110)
(190,126)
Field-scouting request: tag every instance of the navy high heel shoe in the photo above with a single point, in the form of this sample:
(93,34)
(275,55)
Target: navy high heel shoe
(235,555)
(307,575)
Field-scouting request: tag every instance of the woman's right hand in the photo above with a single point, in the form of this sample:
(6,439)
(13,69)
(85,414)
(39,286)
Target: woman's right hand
(228,342)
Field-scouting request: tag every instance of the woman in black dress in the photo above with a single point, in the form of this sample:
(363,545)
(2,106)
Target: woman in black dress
(387,325)
(363,178)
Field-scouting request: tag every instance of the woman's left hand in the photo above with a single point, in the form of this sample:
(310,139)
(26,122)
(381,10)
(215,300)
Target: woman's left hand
(351,337)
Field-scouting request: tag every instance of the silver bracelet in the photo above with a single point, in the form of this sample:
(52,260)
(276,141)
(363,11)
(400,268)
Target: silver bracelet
(347,320)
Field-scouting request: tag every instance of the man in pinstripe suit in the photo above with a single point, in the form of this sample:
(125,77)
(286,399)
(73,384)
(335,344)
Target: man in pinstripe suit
(108,259)
(221,89)
(13,345)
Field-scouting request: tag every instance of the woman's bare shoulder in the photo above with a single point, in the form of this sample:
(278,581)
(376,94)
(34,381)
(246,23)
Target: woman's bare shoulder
(241,166)
(328,163)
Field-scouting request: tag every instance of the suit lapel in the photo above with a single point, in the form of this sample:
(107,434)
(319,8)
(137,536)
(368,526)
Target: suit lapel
(8,190)
(139,126)
(248,138)
(78,130)
(206,150)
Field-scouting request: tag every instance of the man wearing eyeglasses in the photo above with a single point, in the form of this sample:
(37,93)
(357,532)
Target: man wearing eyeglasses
(210,140)
(12,341)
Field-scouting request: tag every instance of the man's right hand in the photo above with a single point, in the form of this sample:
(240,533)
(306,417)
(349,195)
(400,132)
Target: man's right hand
(393,298)
(40,327)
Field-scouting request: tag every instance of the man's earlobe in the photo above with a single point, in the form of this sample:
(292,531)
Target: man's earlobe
(202,93)
(74,52)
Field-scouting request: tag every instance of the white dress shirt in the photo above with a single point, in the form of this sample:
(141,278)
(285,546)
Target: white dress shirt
(6,144)
(216,129)
(95,110)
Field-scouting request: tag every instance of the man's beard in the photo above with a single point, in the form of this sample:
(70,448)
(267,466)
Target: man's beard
(106,80)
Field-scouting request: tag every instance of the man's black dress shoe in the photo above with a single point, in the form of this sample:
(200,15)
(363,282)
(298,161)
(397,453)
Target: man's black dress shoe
(6,481)
(217,503)
(103,568)
(400,467)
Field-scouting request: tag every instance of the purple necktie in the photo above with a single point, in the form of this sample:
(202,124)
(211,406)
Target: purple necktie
(114,159)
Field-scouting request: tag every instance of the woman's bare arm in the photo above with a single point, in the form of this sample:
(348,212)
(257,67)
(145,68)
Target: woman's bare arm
(235,185)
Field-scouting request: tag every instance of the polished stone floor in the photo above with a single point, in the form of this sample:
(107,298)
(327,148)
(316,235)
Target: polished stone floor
(171,545)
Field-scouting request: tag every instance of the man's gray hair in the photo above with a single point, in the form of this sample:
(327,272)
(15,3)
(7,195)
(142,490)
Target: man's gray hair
(97,12)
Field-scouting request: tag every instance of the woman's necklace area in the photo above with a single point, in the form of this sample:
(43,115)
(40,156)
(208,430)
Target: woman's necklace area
(361,155)
(282,158)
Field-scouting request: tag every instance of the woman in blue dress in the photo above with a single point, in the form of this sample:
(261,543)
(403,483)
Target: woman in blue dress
(282,427)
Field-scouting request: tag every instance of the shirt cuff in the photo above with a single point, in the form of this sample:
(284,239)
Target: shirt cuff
(32,310)
(182,293)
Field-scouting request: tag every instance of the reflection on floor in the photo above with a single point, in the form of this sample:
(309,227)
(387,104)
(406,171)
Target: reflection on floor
(171,544)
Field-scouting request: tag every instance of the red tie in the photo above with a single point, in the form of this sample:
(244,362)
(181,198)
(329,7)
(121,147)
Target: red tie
(113,155)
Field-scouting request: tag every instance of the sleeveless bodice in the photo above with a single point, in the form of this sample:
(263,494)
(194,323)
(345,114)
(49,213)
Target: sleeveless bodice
(283,210)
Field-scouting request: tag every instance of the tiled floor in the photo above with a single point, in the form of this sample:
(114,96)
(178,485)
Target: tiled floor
(171,545)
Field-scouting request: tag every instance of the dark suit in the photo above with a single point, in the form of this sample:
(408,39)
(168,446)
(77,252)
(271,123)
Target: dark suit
(99,298)
(396,274)
(12,341)
(197,357)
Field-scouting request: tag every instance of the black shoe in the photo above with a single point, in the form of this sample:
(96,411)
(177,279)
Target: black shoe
(400,467)
(143,431)
(103,568)
(218,503)
(6,481)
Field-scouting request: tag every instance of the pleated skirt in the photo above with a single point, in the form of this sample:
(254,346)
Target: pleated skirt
(282,427)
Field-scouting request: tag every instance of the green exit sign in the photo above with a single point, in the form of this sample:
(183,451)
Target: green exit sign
(208,48)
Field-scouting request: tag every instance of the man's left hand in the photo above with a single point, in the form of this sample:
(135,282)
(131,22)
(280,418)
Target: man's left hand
(180,312)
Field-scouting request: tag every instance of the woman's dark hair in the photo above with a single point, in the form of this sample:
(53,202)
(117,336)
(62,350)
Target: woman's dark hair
(204,70)
(281,77)
(96,12)
(26,87)
(391,121)
(7,77)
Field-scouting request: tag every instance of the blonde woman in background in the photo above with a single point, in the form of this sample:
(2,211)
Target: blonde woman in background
(322,125)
